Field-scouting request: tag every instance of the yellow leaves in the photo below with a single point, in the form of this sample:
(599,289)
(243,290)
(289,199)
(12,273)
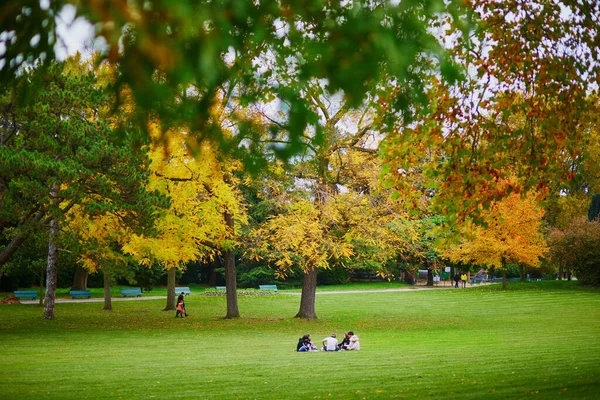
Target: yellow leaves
(513,233)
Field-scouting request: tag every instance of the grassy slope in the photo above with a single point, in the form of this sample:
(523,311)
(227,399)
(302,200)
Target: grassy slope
(539,342)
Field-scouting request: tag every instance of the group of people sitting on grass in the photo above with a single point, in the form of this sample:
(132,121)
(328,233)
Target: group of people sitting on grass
(330,343)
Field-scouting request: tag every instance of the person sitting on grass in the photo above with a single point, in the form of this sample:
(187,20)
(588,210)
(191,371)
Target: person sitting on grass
(330,343)
(346,342)
(304,344)
(354,343)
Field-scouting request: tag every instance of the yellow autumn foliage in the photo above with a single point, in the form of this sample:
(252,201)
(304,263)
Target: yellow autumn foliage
(513,234)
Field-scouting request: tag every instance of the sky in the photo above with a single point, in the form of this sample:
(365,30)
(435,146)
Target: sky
(76,35)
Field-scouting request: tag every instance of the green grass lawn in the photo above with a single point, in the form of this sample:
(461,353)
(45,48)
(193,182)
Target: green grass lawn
(537,340)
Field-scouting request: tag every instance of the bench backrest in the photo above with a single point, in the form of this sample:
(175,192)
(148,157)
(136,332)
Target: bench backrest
(131,291)
(268,287)
(25,294)
(185,290)
(80,293)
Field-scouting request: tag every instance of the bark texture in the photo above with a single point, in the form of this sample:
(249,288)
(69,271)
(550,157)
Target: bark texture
(171,275)
(230,276)
(80,279)
(107,297)
(309,292)
(51,273)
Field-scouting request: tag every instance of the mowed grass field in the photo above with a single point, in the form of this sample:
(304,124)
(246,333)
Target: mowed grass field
(537,340)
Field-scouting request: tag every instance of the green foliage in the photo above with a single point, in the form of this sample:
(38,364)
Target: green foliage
(256,276)
(594,210)
(579,247)
(147,276)
(161,48)
(53,133)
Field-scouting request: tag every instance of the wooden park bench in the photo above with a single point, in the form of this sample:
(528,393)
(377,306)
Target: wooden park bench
(26,294)
(80,293)
(185,290)
(131,292)
(268,287)
(220,288)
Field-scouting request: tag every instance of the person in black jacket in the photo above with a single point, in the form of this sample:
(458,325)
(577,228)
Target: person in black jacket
(304,344)
(346,342)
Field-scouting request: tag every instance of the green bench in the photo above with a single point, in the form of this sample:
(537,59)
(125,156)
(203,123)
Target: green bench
(131,292)
(220,288)
(80,294)
(268,287)
(185,290)
(26,294)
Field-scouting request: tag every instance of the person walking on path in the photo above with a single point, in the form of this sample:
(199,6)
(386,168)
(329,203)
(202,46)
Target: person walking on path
(456,279)
(181,299)
(463,279)
(180,310)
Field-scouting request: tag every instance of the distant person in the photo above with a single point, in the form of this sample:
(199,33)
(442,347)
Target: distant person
(345,342)
(305,344)
(180,310)
(181,299)
(330,343)
(463,279)
(456,279)
(354,343)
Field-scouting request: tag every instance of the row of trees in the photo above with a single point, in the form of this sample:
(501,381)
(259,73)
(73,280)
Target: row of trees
(204,130)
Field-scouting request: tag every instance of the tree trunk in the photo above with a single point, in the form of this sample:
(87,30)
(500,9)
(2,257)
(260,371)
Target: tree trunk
(171,275)
(107,296)
(51,274)
(522,273)
(561,271)
(504,285)
(212,275)
(429,277)
(309,292)
(80,279)
(230,278)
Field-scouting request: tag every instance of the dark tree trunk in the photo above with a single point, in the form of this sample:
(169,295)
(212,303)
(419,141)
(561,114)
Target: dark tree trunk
(522,273)
(309,292)
(51,274)
(230,278)
(212,275)
(80,279)
(561,271)
(504,285)
(171,275)
(107,297)
(429,277)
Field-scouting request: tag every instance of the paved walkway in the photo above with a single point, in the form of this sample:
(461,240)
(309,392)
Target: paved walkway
(409,289)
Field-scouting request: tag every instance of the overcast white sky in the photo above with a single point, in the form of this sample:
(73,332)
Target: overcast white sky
(75,35)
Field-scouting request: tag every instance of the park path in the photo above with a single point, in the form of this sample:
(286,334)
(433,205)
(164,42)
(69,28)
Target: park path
(410,289)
